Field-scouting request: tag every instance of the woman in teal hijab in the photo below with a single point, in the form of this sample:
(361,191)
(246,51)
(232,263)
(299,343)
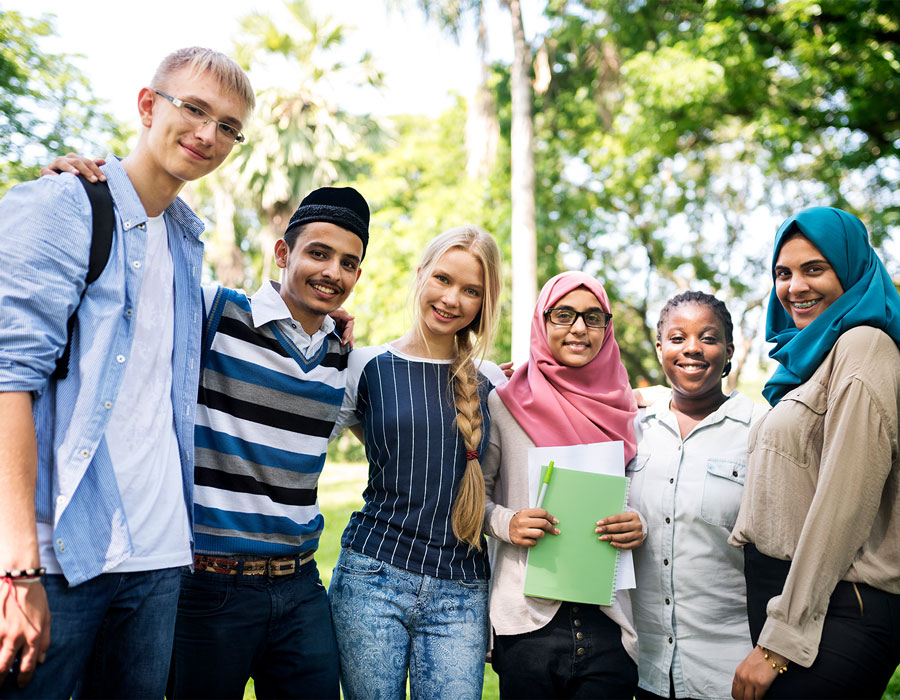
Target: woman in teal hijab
(820,515)
(869,298)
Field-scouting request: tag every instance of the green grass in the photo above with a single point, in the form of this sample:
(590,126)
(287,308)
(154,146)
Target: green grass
(340,490)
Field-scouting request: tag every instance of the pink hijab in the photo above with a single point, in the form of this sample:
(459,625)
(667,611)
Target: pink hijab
(560,405)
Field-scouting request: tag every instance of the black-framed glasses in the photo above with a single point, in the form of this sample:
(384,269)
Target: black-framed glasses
(199,117)
(593,318)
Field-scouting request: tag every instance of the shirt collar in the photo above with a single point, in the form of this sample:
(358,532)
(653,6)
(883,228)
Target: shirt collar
(129,206)
(741,411)
(267,305)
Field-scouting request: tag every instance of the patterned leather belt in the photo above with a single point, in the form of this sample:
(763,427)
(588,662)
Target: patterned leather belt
(275,566)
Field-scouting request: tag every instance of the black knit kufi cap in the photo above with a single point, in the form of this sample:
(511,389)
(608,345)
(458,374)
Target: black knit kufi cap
(342,206)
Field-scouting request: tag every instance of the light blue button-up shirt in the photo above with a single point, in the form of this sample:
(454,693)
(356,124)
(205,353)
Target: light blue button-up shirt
(45,239)
(690,604)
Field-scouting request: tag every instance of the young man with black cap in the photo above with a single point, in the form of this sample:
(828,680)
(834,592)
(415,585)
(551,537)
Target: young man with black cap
(271,389)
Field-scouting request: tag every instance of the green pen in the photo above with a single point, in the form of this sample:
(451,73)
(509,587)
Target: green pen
(545,482)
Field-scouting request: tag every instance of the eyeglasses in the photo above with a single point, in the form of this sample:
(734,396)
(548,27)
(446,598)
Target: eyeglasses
(199,117)
(567,317)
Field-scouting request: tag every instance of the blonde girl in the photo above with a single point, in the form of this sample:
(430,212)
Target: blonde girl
(410,589)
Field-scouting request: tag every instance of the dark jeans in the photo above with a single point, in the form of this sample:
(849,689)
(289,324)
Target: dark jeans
(578,654)
(110,637)
(860,646)
(276,630)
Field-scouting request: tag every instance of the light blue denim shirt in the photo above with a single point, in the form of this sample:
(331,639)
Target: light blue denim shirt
(45,238)
(690,603)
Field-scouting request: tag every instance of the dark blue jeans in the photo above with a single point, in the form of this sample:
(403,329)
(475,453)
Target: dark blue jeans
(110,637)
(578,654)
(277,631)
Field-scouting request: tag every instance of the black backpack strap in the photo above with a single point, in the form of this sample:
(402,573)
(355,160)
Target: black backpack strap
(102,224)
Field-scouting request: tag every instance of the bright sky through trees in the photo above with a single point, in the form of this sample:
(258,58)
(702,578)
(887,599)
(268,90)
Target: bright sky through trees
(123,41)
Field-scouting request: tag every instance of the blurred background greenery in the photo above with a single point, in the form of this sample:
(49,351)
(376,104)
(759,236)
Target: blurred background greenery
(660,142)
(669,139)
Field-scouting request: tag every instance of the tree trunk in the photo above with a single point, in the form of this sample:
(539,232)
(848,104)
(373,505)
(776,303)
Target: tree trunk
(523,225)
(482,125)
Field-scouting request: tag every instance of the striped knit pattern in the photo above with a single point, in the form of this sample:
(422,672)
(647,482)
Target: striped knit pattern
(264,416)
(416,462)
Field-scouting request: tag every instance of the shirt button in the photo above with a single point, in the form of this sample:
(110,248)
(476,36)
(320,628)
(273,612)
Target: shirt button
(670,640)
(574,608)
(665,562)
(577,623)
(668,520)
(60,499)
(671,481)
(85,454)
(60,545)
(580,651)
(678,448)
(733,473)
(668,602)
(579,636)
(129,312)
(136,264)
(107,405)
(120,359)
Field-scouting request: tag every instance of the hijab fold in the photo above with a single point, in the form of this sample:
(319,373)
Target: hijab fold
(560,405)
(869,299)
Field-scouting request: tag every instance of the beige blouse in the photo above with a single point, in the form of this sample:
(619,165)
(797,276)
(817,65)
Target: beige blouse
(823,487)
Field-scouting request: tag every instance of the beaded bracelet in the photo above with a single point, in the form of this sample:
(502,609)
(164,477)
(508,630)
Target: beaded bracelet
(23,574)
(782,668)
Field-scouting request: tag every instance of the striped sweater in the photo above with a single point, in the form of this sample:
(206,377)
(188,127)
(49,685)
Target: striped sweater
(264,417)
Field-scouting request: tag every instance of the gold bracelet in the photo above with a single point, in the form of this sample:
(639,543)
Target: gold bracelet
(767,657)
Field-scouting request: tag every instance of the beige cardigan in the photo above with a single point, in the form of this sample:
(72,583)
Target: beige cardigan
(506,482)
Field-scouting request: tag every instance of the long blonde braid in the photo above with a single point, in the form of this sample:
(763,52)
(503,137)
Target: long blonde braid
(468,508)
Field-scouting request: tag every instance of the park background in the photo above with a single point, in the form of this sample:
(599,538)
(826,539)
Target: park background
(655,144)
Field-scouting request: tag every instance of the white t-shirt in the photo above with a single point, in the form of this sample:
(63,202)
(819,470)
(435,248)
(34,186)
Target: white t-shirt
(140,434)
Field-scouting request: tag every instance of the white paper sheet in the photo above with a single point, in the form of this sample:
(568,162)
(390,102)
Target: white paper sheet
(597,457)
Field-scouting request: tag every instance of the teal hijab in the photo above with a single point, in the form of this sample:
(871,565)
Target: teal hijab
(869,298)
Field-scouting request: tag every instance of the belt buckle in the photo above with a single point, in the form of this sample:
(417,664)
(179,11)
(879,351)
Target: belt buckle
(280,568)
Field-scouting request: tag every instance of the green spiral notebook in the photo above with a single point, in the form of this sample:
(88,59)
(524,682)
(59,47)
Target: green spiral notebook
(574,565)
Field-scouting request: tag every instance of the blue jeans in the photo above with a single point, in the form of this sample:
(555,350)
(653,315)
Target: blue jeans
(276,630)
(389,621)
(110,637)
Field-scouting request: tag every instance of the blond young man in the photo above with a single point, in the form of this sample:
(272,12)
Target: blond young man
(96,470)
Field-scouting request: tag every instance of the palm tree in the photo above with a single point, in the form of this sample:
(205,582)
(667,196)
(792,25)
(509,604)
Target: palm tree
(299,137)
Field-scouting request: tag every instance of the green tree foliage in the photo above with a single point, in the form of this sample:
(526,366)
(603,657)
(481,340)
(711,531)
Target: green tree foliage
(46,104)
(670,128)
(299,137)
(417,187)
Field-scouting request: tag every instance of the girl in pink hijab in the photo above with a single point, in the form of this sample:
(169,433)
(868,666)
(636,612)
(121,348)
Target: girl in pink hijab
(573,390)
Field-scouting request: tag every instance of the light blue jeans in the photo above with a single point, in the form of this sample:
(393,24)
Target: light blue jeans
(389,620)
